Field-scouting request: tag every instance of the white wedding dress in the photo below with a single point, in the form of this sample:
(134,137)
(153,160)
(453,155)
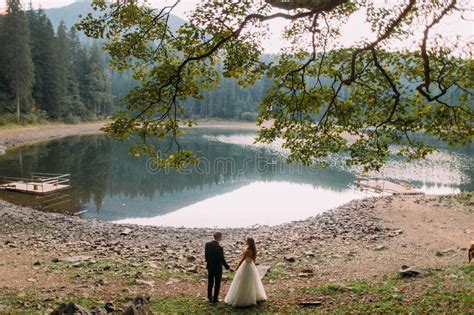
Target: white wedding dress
(246,288)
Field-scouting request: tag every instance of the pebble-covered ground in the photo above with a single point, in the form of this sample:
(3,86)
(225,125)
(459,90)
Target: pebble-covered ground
(47,257)
(181,249)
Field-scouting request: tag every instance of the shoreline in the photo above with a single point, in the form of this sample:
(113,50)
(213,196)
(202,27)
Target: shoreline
(20,136)
(363,240)
(50,258)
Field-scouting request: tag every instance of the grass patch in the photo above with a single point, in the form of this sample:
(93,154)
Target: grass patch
(22,302)
(195,305)
(448,291)
(96,271)
(467,198)
(328,288)
(125,270)
(276,273)
(467,268)
(165,274)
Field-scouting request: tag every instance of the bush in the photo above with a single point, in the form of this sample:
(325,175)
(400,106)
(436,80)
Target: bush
(249,116)
(6,119)
(71,119)
(39,117)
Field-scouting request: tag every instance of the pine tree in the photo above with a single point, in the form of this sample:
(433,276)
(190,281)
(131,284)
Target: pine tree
(46,91)
(99,100)
(6,99)
(64,69)
(80,70)
(16,56)
(75,103)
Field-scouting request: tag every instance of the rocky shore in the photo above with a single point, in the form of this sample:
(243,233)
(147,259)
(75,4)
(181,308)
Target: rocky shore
(356,225)
(181,248)
(53,256)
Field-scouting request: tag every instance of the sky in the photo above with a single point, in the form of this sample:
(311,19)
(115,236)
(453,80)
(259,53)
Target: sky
(351,33)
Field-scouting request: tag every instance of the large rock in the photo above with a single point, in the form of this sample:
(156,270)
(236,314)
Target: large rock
(126,231)
(150,283)
(408,272)
(99,311)
(193,269)
(139,306)
(77,259)
(311,303)
(70,309)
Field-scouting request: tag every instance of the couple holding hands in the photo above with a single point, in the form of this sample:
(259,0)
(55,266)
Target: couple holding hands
(246,288)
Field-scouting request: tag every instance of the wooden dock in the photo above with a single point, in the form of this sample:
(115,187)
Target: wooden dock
(385,186)
(38,184)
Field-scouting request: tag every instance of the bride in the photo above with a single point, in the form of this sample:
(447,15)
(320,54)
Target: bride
(246,288)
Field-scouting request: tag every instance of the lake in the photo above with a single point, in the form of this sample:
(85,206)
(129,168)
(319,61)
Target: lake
(235,184)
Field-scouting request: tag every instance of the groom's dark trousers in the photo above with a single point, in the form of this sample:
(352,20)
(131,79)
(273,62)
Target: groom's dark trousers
(214,254)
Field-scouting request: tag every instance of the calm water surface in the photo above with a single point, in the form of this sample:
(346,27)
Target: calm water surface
(236,183)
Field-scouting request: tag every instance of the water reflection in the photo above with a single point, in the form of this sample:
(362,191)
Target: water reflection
(264,203)
(234,177)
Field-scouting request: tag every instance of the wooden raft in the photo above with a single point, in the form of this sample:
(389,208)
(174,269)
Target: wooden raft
(38,184)
(385,186)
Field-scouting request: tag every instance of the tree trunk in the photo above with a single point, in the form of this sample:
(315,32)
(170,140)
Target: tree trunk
(17,105)
(20,158)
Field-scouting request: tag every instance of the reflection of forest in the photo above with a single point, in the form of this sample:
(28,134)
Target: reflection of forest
(88,159)
(105,177)
(111,184)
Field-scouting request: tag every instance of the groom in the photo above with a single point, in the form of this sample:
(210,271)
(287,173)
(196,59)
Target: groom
(214,254)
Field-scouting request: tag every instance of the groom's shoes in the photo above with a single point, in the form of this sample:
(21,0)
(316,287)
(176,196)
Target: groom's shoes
(215,301)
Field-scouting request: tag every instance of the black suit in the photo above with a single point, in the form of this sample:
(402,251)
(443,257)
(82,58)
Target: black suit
(214,261)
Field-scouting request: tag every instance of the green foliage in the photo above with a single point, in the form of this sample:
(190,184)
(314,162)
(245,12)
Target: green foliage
(194,305)
(34,118)
(467,198)
(447,291)
(54,73)
(47,92)
(444,290)
(228,100)
(277,273)
(15,56)
(318,94)
(71,119)
(328,288)
(7,119)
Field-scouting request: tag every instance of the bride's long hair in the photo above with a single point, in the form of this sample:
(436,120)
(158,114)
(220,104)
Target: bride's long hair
(252,247)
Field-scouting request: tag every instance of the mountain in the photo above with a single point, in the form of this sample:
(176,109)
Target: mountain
(70,14)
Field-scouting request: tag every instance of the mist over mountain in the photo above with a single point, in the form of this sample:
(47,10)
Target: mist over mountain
(70,14)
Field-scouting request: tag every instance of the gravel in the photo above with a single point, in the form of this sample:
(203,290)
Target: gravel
(71,236)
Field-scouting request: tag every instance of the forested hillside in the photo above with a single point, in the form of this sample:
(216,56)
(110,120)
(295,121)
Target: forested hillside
(48,73)
(48,70)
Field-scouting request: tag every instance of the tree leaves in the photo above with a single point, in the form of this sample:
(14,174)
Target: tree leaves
(322,96)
